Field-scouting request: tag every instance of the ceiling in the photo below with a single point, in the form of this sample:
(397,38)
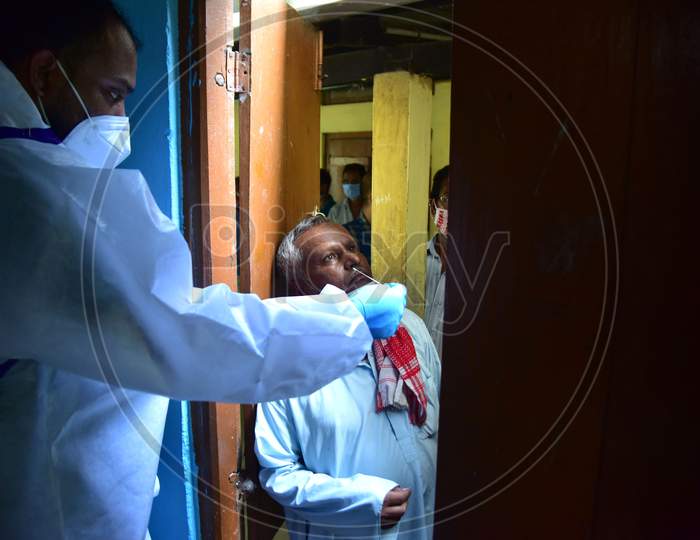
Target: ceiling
(364,37)
(351,26)
(358,43)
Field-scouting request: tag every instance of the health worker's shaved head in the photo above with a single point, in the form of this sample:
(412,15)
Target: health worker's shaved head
(67,27)
(90,40)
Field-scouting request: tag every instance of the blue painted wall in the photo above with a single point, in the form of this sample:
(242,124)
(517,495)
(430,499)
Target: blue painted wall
(154,116)
(153,108)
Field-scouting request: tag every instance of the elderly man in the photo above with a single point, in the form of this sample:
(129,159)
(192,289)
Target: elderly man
(357,457)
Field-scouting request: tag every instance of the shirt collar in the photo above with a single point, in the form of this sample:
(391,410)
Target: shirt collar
(361,217)
(369,363)
(432,250)
(16,107)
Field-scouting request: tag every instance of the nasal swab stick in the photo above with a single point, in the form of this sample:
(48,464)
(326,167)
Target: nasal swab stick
(368,277)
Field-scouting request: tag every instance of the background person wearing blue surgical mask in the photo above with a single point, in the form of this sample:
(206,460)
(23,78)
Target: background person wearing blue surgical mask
(361,227)
(349,208)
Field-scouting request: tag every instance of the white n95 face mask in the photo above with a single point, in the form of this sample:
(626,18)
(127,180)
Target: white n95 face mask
(102,141)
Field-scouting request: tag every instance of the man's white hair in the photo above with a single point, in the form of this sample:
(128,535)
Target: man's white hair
(289,255)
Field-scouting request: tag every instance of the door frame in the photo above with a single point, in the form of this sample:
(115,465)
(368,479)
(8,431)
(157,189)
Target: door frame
(208,166)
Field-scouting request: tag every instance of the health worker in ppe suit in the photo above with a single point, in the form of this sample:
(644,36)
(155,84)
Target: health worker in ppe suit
(100,323)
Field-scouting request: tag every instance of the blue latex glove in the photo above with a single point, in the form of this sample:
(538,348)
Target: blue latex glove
(382,306)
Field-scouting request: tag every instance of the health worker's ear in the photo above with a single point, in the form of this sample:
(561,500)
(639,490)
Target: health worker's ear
(42,73)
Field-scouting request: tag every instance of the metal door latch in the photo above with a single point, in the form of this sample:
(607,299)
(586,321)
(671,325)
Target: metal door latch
(244,486)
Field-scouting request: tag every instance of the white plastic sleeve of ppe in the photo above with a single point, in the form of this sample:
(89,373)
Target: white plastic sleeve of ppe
(96,280)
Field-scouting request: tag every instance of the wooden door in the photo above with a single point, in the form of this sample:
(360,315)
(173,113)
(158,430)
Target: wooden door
(279,149)
(565,398)
(649,476)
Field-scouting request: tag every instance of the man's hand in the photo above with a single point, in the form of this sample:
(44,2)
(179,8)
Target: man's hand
(394,507)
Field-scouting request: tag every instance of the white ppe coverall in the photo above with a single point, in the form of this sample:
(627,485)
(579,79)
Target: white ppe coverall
(99,322)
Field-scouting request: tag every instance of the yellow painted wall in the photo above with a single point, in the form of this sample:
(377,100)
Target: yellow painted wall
(350,117)
(440,147)
(358,117)
(344,118)
(400,172)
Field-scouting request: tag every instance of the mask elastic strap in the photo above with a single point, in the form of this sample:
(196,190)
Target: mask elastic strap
(42,111)
(75,91)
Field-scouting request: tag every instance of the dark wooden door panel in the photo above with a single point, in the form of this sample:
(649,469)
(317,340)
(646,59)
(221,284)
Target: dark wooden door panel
(514,447)
(594,184)
(649,484)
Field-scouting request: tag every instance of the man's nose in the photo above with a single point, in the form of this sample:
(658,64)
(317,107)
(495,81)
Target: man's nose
(351,259)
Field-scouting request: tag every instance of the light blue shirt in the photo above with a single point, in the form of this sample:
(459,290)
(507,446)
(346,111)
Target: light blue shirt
(341,213)
(329,458)
(434,295)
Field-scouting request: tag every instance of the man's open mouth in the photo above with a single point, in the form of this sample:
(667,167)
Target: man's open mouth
(358,280)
